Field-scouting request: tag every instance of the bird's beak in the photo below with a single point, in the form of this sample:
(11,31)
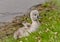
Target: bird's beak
(38,17)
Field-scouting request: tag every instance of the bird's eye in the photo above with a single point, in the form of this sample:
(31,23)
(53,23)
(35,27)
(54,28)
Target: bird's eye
(35,14)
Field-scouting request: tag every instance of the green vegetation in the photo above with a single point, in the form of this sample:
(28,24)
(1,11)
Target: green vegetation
(49,30)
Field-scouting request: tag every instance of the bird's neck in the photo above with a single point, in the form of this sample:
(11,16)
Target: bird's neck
(34,26)
(35,23)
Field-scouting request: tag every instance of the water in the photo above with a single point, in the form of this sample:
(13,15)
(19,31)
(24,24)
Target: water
(13,6)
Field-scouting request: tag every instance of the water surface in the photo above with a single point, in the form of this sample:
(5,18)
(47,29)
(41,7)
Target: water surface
(13,6)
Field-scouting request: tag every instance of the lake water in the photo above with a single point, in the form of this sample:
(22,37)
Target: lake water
(13,6)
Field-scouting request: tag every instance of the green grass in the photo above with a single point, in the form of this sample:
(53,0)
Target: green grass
(49,30)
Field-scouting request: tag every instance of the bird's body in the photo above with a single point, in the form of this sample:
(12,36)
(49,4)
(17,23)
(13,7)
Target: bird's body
(25,31)
(26,24)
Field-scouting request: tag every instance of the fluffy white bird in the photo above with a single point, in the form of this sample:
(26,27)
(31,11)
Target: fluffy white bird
(26,30)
